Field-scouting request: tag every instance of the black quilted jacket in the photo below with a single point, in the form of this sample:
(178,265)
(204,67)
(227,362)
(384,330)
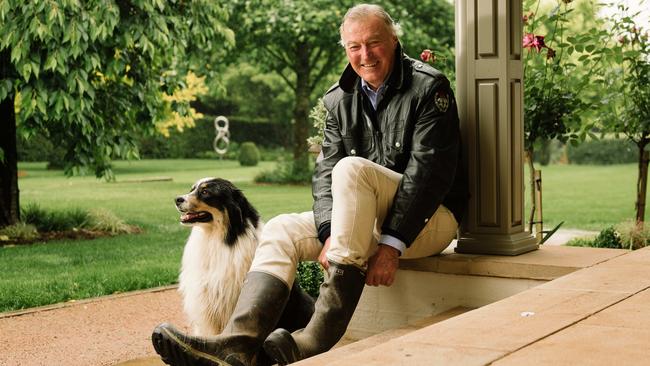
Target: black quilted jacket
(414,131)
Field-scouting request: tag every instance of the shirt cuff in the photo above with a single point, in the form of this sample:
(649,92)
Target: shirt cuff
(392,241)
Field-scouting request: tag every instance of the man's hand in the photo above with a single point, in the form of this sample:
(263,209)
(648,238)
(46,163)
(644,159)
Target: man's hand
(322,258)
(382,266)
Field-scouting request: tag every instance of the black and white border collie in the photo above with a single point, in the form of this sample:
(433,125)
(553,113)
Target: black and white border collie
(218,253)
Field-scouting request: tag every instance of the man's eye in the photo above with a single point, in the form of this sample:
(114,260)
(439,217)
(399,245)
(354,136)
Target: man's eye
(353,48)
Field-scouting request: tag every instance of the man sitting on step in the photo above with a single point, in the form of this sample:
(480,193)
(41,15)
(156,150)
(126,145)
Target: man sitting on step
(388,184)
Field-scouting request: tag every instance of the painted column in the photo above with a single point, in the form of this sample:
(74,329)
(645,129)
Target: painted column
(489,89)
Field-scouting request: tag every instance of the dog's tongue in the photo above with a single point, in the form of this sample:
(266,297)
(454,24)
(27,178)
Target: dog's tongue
(188,216)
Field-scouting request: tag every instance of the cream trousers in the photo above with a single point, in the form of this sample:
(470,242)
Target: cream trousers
(362,194)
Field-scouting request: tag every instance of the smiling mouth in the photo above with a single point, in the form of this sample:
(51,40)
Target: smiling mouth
(369,66)
(192,217)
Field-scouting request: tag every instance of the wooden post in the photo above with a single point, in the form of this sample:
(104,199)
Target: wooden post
(489,79)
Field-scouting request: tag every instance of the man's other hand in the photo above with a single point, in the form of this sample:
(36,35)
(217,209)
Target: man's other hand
(382,266)
(322,257)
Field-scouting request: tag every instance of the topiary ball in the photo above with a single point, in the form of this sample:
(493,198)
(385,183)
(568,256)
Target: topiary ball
(249,155)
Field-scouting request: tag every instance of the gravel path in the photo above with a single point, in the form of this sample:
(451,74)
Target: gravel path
(102,331)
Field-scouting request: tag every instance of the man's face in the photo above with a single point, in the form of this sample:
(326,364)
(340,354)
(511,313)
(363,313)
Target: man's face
(370,48)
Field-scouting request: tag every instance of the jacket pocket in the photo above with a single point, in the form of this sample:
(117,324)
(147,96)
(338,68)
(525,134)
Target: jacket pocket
(394,138)
(357,146)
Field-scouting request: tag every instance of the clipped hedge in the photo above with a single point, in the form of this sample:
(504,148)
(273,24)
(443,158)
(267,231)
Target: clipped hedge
(195,142)
(603,152)
(191,143)
(39,148)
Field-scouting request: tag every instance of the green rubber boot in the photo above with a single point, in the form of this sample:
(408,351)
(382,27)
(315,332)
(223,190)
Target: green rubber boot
(339,296)
(260,305)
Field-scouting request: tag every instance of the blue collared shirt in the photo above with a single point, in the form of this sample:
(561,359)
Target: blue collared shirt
(374,99)
(372,95)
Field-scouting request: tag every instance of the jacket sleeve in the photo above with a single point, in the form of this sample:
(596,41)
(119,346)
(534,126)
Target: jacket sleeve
(431,167)
(332,151)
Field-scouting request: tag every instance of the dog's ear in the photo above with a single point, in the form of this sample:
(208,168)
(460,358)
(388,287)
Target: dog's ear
(248,211)
(237,223)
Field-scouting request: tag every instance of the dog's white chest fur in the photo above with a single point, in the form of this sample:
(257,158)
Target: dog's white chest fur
(212,275)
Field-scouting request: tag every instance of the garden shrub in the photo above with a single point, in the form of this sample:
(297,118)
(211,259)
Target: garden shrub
(310,276)
(284,174)
(45,221)
(607,238)
(633,236)
(549,152)
(19,231)
(249,155)
(73,219)
(106,221)
(603,152)
(580,242)
(40,148)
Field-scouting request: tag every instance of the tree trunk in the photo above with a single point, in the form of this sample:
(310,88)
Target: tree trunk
(9,207)
(642,182)
(301,111)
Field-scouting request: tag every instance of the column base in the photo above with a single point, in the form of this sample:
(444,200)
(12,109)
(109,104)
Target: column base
(498,244)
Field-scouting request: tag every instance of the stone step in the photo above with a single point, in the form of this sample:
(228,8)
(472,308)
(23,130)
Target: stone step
(348,346)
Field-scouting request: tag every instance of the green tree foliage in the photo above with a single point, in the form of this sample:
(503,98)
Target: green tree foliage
(426,24)
(299,41)
(627,92)
(560,64)
(90,74)
(248,90)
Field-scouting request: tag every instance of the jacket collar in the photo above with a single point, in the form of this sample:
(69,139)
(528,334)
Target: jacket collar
(401,67)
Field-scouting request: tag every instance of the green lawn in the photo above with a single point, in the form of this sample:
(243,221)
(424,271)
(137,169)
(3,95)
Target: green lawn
(63,270)
(588,197)
(585,197)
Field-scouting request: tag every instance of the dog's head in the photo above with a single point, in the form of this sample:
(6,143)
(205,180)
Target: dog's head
(216,201)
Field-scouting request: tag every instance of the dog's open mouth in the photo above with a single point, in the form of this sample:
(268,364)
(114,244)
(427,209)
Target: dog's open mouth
(191,217)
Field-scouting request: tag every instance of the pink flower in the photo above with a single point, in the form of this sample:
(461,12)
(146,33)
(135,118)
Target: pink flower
(528,40)
(532,41)
(428,55)
(431,57)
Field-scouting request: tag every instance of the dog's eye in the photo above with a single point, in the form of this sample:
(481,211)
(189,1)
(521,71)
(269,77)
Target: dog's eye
(204,192)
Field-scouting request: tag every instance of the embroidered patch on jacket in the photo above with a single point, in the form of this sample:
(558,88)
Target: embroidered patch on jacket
(442,101)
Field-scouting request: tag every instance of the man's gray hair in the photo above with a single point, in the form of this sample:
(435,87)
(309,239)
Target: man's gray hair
(363,11)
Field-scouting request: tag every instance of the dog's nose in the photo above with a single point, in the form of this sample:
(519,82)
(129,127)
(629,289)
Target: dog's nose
(180,200)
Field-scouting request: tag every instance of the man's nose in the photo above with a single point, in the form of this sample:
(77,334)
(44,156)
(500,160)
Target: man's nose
(365,51)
